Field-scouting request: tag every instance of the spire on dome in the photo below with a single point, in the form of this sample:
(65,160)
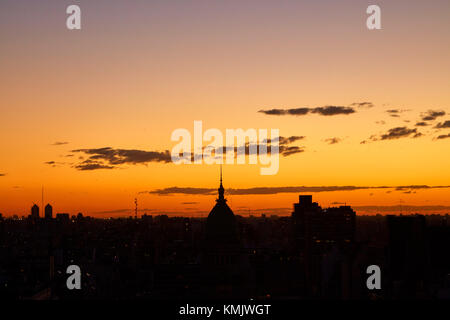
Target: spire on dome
(221,189)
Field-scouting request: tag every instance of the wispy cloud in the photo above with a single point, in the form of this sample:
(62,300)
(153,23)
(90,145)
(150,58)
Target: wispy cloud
(362,105)
(432,115)
(395,113)
(110,158)
(395,133)
(443,125)
(87,166)
(323,111)
(54,163)
(59,143)
(443,136)
(334,140)
(276,190)
(284,147)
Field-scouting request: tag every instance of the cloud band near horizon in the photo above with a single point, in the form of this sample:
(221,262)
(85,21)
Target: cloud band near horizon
(276,190)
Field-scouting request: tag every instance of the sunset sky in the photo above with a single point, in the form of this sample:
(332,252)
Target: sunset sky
(138,70)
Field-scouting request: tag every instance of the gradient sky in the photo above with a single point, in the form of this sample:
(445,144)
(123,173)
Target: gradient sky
(140,69)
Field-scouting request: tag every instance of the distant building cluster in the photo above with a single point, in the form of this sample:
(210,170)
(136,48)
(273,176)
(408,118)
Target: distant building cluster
(48,214)
(316,253)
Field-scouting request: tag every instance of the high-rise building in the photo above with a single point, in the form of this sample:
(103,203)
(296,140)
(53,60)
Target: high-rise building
(322,238)
(315,227)
(35,211)
(48,211)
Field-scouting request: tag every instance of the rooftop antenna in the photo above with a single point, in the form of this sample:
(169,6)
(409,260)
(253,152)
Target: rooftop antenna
(135,208)
(42,199)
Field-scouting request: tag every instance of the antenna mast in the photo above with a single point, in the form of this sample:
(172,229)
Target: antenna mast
(42,200)
(135,208)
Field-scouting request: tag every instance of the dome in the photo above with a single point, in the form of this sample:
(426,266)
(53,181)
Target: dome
(221,221)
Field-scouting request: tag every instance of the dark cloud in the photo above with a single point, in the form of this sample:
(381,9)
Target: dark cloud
(362,105)
(189,202)
(109,158)
(333,110)
(395,113)
(443,125)
(288,140)
(124,156)
(280,112)
(54,163)
(421,124)
(443,136)
(284,147)
(288,151)
(398,132)
(324,111)
(333,140)
(187,190)
(2,174)
(59,143)
(88,165)
(298,111)
(394,133)
(276,190)
(431,115)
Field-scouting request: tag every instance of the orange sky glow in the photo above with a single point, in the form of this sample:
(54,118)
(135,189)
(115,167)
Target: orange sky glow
(133,75)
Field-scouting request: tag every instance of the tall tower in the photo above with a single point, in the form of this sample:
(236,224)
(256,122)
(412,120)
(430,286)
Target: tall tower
(48,211)
(35,211)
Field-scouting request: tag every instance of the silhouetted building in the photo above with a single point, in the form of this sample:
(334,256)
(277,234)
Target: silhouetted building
(322,238)
(407,255)
(227,255)
(63,217)
(35,212)
(221,222)
(226,264)
(317,228)
(48,211)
